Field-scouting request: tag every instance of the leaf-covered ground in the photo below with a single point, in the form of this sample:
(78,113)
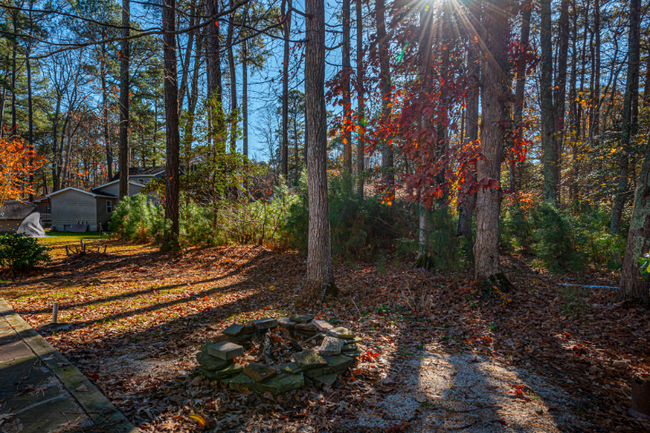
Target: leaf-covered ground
(440,354)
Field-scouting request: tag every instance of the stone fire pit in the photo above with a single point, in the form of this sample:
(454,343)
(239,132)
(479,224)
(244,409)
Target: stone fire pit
(276,356)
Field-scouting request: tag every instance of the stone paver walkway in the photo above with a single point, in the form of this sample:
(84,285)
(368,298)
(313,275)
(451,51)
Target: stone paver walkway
(41,392)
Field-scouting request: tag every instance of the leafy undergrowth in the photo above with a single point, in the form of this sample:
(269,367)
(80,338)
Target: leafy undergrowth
(139,317)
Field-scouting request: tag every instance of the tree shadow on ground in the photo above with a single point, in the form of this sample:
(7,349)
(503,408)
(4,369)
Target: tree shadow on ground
(471,364)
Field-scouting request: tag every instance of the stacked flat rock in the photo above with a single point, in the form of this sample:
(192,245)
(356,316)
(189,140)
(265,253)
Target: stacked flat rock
(278,384)
(236,334)
(331,346)
(341,332)
(216,367)
(323,365)
(259,372)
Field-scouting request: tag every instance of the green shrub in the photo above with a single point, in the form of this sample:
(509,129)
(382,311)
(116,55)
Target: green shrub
(601,248)
(21,252)
(444,250)
(516,230)
(556,239)
(137,218)
(243,220)
(360,228)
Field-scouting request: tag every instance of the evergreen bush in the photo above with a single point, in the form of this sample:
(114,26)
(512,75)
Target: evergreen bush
(20,252)
(556,239)
(137,218)
(361,228)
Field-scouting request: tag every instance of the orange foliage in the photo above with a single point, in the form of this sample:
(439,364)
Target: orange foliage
(17,161)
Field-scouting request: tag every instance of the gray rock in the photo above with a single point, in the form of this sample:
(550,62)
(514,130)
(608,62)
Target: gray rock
(307,328)
(309,359)
(301,318)
(320,371)
(242,339)
(322,325)
(290,368)
(228,372)
(209,362)
(263,324)
(276,385)
(331,346)
(236,330)
(259,372)
(339,363)
(341,332)
(327,379)
(226,350)
(284,322)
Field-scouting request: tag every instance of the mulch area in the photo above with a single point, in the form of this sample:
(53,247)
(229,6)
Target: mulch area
(139,317)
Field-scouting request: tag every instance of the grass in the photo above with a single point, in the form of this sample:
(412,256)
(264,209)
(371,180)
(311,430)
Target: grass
(58,240)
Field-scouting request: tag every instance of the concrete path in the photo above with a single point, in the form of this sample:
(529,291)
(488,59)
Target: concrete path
(41,392)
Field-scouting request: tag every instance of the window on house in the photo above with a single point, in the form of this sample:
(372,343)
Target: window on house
(109,206)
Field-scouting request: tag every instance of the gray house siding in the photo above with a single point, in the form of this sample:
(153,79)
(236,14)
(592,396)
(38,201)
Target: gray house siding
(114,189)
(72,206)
(102,215)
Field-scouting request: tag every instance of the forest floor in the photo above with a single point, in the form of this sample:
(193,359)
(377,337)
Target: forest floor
(439,353)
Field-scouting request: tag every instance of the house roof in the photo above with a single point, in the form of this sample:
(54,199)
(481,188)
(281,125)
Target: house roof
(131,182)
(40,199)
(16,210)
(141,171)
(94,194)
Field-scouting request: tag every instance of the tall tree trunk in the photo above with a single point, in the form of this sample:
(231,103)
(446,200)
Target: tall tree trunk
(233,80)
(107,140)
(632,285)
(548,122)
(170,241)
(244,96)
(520,87)
(124,101)
(213,65)
(425,123)
(347,71)
(286,28)
(573,106)
(188,56)
(13,75)
(319,260)
(296,155)
(646,85)
(188,128)
(595,103)
(495,93)
(383,44)
(583,62)
(361,108)
(629,126)
(3,103)
(559,98)
(466,207)
(30,111)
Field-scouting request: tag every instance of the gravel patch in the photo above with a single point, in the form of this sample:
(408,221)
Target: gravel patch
(470,393)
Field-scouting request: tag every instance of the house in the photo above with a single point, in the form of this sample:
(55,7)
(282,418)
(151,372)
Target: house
(13,213)
(142,174)
(71,206)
